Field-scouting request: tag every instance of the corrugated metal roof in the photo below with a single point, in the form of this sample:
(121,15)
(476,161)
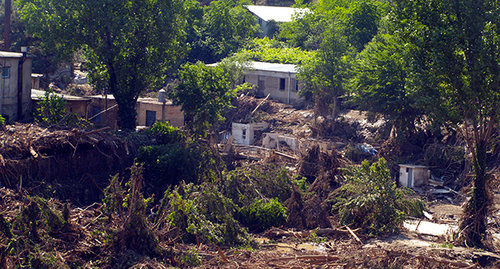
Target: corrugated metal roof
(262,66)
(279,14)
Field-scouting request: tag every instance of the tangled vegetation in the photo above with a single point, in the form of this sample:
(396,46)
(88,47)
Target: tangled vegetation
(370,200)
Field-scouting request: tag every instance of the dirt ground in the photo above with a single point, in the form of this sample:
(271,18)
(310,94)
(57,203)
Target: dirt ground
(335,247)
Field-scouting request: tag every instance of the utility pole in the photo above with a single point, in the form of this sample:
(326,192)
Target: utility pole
(6,33)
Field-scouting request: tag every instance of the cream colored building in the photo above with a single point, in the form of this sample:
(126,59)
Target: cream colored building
(15,85)
(413,175)
(276,80)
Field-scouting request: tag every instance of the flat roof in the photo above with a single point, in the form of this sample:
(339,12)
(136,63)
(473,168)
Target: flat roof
(279,14)
(263,66)
(413,166)
(38,94)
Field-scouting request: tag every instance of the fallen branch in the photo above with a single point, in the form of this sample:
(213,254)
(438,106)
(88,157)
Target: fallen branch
(353,234)
(308,257)
(257,107)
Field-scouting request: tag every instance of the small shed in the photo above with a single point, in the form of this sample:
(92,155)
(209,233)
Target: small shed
(411,175)
(244,133)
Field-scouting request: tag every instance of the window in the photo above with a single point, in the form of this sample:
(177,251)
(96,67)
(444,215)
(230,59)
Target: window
(244,134)
(150,117)
(296,88)
(282,84)
(95,111)
(6,72)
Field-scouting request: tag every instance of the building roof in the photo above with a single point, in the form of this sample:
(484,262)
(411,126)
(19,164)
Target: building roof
(39,94)
(7,54)
(279,14)
(413,166)
(284,68)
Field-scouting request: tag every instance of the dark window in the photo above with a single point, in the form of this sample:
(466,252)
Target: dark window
(150,117)
(282,84)
(244,134)
(96,110)
(296,86)
(5,72)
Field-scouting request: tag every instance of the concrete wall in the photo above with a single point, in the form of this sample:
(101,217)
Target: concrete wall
(244,134)
(163,112)
(270,83)
(413,175)
(273,140)
(8,88)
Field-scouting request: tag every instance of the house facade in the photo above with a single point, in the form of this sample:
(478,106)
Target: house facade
(103,110)
(269,17)
(276,80)
(15,85)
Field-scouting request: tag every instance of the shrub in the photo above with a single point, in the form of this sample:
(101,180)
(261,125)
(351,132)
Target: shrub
(262,215)
(165,133)
(370,200)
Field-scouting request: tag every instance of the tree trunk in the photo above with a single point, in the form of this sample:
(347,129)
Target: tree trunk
(6,35)
(473,225)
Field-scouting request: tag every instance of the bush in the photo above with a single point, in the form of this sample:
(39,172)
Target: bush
(371,201)
(165,133)
(262,215)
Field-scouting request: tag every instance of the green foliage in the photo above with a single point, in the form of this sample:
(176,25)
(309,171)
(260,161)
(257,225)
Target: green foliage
(305,31)
(165,133)
(127,208)
(129,45)
(2,122)
(204,94)
(370,200)
(324,75)
(379,84)
(51,108)
(217,30)
(191,257)
(270,50)
(262,214)
(455,62)
(200,213)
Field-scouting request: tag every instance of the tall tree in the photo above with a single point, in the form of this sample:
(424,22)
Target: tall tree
(325,73)
(456,61)
(218,30)
(380,85)
(204,93)
(130,44)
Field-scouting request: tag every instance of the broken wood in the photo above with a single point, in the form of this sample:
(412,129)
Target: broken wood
(97,131)
(223,256)
(308,257)
(286,155)
(257,107)
(353,234)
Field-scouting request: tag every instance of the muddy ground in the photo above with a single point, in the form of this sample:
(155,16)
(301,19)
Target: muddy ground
(73,166)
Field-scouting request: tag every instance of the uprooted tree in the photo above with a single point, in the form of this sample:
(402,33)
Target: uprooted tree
(455,61)
(130,45)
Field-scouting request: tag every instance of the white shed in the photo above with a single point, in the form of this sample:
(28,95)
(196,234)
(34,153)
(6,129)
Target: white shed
(244,133)
(411,175)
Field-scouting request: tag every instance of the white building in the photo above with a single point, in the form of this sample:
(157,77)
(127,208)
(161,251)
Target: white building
(244,133)
(277,80)
(270,16)
(15,85)
(413,175)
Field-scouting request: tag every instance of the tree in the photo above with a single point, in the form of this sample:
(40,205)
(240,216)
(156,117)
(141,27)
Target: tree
(361,22)
(218,30)
(456,69)
(379,84)
(325,73)
(204,93)
(130,44)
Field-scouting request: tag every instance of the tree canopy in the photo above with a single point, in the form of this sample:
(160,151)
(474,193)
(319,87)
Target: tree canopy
(130,44)
(455,62)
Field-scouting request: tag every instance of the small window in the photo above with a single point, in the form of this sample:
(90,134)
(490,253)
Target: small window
(244,134)
(407,170)
(150,117)
(5,72)
(296,88)
(282,84)
(95,113)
